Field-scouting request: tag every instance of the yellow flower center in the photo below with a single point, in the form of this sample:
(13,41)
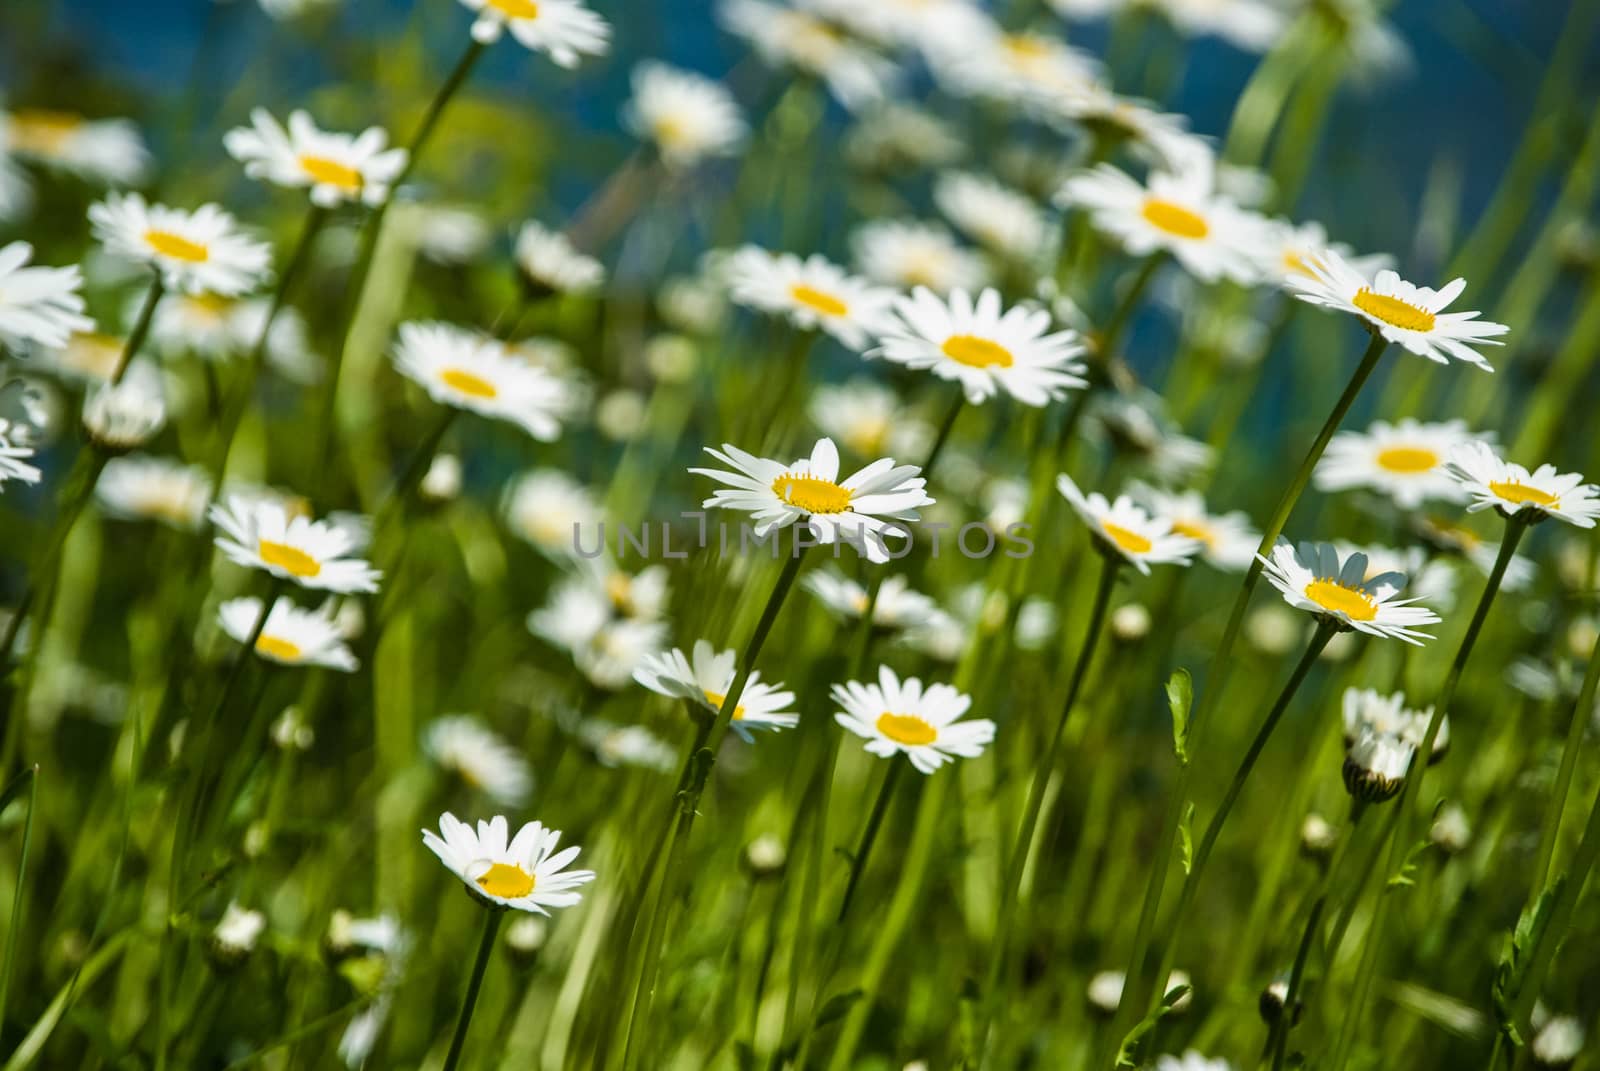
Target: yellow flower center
(279,648)
(977,352)
(1407,459)
(907,729)
(93,354)
(516,9)
(507,881)
(1336,598)
(331,172)
(1132,542)
(1295,264)
(176,246)
(619,589)
(43,132)
(1393,311)
(1522,494)
(868,436)
(463,382)
(291,560)
(1195,530)
(716,699)
(812,494)
(1174,219)
(812,298)
(672,131)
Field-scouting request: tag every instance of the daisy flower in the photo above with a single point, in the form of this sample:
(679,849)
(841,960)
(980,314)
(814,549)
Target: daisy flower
(1451,537)
(553,511)
(1249,25)
(197,252)
(898,607)
(1002,220)
(260,533)
(550,263)
(237,932)
(466,370)
(897,716)
(627,745)
(1311,577)
(1026,68)
(1505,486)
(1400,312)
(1190,1060)
(291,636)
(704,680)
(608,621)
(984,349)
(1376,764)
(565,30)
(38,305)
(1295,246)
(1162,136)
(524,873)
(1368,710)
(337,168)
(109,152)
(905,254)
(1408,461)
(156,489)
(1124,529)
(786,37)
(463,745)
(811,293)
(119,417)
(1227,540)
(860,510)
(894,138)
(14,457)
(930,25)
(1430,578)
(1177,213)
(687,116)
(869,418)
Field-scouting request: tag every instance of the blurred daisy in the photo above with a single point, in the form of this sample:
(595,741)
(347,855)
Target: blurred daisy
(931,25)
(1174,213)
(1024,67)
(1515,492)
(704,681)
(39,305)
(1368,710)
(860,510)
(553,511)
(1311,577)
(203,251)
(337,168)
(894,138)
(108,152)
(237,932)
(1429,578)
(1408,461)
(119,417)
(687,116)
(550,263)
(898,717)
(607,620)
(1375,765)
(283,10)
(627,745)
(1452,538)
(88,356)
(811,293)
(14,457)
(1227,540)
(905,254)
(260,533)
(464,746)
(291,636)
(1161,136)
(869,418)
(1127,531)
(786,37)
(1137,424)
(986,350)
(1190,1060)
(466,370)
(898,607)
(565,30)
(155,489)
(221,329)
(1409,315)
(524,873)
(1003,221)
(1295,246)
(1250,25)
(450,235)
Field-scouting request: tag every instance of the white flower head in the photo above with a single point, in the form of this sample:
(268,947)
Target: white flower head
(687,116)
(906,254)
(466,370)
(291,636)
(1312,577)
(14,454)
(1026,68)
(238,930)
(869,419)
(609,621)
(554,512)
(1375,765)
(704,680)
(37,304)
(199,252)
(260,533)
(1227,540)
(108,152)
(900,717)
(337,168)
(1296,246)
(119,417)
(811,293)
(1492,483)
(1407,461)
(550,262)
(788,37)
(565,30)
(897,605)
(154,488)
(1367,709)
(1126,530)
(1007,223)
(523,873)
(463,745)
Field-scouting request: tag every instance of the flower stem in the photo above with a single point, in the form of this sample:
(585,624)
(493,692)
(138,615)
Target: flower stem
(869,833)
(1111,333)
(469,999)
(1556,808)
(141,328)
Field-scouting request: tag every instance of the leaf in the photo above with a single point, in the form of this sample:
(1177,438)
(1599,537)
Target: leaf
(1180,695)
(1509,972)
(1406,874)
(836,1006)
(1127,1053)
(1186,834)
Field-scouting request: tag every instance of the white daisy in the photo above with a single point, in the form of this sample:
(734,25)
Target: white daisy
(465,746)
(869,418)
(565,30)
(119,417)
(1368,710)
(895,137)
(466,370)
(550,263)
(860,510)
(154,488)
(338,168)
(897,716)
(238,930)
(14,455)
(905,254)
(38,305)
(1024,68)
(524,873)
(449,235)
(109,152)
(1251,25)
(627,745)
(1191,1060)
(986,350)
(260,533)
(1126,530)
(1311,577)
(704,680)
(291,636)
(811,293)
(897,607)
(930,25)
(1408,461)
(554,512)
(1179,214)
(1452,537)
(1295,246)
(1376,764)
(608,621)
(1409,315)
(687,116)
(203,251)
(1515,492)
(1429,578)
(87,357)
(785,37)
(1161,137)
(1002,220)
(1227,540)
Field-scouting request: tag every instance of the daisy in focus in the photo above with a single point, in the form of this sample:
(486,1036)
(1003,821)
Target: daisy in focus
(565,30)
(686,116)
(154,489)
(984,349)
(108,152)
(551,264)
(465,370)
(860,509)
(1227,540)
(906,254)
(1407,461)
(1411,316)
(291,636)
(523,873)
(463,745)
(899,717)
(811,293)
(897,607)
(704,680)
(1311,577)
(337,168)
(1126,531)
(1507,487)
(37,304)
(199,252)
(261,533)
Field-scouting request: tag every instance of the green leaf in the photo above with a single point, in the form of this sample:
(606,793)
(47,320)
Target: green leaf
(1509,972)
(1406,875)
(1186,834)
(1127,1053)
(1180,695)
(837,1005)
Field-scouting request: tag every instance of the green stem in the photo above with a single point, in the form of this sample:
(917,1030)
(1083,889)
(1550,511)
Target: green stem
(943,435)
(1550,830)
(15,931)
(869,833)
(141,328)
(469,999)
(1111,333)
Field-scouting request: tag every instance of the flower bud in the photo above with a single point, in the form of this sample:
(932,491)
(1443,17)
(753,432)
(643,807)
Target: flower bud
(118,417)
(1375,766)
